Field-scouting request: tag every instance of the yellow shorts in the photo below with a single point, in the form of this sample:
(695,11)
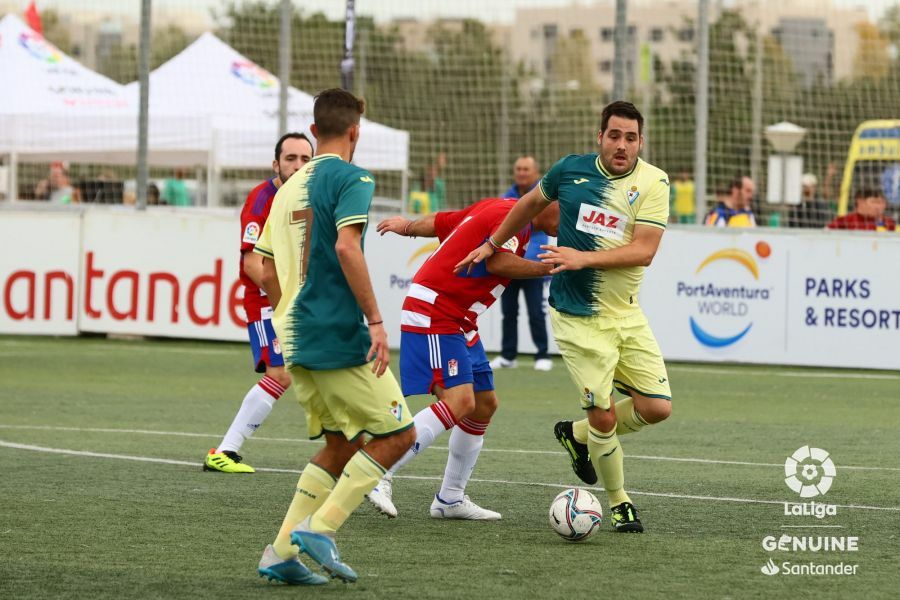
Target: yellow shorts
(351,401)
(602,352)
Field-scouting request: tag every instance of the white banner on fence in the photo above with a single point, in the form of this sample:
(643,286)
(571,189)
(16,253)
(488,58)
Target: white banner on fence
(799,298)
(39,268)
(757,296)
(167,273)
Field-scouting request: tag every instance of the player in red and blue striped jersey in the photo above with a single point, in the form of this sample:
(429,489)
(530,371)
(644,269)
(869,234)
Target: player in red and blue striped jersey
(440,351)
(292,151)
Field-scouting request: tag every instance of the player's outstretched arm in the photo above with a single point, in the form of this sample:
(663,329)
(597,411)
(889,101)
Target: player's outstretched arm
(353,263)
(507,264)
(423,227)
(637,253)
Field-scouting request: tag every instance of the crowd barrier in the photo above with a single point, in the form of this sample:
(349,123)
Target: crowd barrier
(752,296)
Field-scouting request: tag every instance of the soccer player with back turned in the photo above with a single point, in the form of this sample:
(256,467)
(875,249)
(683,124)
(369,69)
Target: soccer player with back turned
(613,212)
(330,328)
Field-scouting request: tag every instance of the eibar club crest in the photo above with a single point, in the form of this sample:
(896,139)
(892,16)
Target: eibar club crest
(632,194)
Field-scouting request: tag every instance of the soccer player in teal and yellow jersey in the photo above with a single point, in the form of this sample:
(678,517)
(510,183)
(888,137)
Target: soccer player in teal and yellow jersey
(613,212)
(330,328)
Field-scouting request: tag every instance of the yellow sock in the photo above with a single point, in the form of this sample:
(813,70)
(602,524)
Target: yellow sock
(606,454)
(360,476)
(580,431)
(313,487)
(628,419)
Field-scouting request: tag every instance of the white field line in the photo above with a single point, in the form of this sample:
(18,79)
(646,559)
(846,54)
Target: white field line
(707,461)
(426,478)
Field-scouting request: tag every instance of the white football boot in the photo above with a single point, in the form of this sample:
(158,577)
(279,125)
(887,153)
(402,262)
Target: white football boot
(382,496)
(463,509)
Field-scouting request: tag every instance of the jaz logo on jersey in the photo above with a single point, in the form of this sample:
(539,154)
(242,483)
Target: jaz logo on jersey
(632,194)
(397,410)
(251,233)
(452,367)
(598,221)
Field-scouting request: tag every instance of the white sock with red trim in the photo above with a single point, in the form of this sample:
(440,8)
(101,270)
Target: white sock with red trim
(430,422)
(256,407)
(465,446)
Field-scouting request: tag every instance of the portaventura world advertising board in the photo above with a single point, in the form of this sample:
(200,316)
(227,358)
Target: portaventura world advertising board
(755,296)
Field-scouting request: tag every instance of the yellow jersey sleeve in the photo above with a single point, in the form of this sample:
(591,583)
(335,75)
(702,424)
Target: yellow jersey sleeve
(654,208)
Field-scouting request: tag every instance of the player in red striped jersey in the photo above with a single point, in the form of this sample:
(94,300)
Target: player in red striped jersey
(292,151)
(440,351)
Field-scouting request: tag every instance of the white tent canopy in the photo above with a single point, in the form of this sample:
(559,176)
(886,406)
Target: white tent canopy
(54,108)
(208,106)
(211,81)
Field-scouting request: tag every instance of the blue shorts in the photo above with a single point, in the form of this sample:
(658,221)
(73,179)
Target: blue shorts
(264,345)
(432,359)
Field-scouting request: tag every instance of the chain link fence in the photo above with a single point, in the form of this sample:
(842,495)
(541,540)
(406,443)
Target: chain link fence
(475,85)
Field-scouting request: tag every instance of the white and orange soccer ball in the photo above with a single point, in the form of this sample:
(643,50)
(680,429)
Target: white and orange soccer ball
(575,514)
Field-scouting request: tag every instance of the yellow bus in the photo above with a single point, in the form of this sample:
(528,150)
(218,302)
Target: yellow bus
(873,162)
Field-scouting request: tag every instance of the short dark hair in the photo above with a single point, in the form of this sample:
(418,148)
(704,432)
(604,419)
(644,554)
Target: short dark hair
(291,135)
(623,109)
(867,192)
(737,182)
(335,111)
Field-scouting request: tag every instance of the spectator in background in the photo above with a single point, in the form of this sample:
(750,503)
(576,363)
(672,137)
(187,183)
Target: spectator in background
(813,211)
(57,188)
(153,195)
(175,192)
(429,194)
(683,207)
(435,184)
(525,175)
(869,213)
(734,210)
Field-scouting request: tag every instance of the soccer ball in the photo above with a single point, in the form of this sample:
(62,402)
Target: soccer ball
(575,514)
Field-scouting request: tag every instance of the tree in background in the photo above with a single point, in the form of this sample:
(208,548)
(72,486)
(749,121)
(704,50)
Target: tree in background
(56,31)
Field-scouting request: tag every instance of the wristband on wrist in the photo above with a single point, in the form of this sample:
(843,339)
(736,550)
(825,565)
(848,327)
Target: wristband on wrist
(494,243)
(375,323)
(406,229)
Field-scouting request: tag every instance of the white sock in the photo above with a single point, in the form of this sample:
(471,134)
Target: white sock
(465,446)
(431,421)
(256,407)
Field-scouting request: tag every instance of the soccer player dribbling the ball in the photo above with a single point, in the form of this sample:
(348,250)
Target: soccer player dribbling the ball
(613,212)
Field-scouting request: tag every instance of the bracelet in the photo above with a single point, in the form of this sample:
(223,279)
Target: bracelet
(406,229)
(375,323)
(493,243)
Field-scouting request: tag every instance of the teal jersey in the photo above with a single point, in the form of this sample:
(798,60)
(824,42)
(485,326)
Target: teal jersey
(318,321)
(598,211)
